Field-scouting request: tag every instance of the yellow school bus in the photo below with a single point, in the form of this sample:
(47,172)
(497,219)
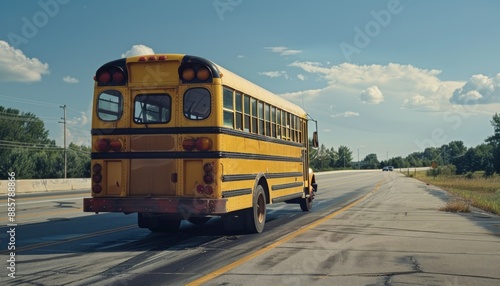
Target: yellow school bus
(177,137)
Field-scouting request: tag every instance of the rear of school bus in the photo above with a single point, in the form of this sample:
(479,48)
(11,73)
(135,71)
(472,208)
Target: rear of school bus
(150,155)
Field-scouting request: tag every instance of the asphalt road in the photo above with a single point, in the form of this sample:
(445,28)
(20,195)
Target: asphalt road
(366,228)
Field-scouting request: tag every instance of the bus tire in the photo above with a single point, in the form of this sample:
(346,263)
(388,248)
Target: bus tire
(255,217)
(306,203)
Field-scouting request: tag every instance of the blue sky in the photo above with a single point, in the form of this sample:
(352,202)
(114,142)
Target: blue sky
(386,77)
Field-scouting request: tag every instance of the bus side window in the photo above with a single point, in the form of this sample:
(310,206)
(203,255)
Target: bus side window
(246,107)
(254,115)
(228,102)
(197,104)
(239,111)
(110,105)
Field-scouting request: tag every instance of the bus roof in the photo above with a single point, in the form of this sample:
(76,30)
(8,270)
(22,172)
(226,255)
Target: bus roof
(227,77)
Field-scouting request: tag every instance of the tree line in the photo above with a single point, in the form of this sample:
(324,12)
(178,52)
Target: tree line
(484,157)
(27,150)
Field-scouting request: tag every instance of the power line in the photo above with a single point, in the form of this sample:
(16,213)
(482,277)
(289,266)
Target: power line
(28,101)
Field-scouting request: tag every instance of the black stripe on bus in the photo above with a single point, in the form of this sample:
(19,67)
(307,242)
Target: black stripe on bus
(287,186)
(190,130)
(190,155)
(236,193)
(246,177)
(287,198)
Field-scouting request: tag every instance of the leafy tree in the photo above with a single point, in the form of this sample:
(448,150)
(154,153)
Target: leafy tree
(344,157)
(78,161)
(371,162)
(494,140)
(26,149)
(23,136)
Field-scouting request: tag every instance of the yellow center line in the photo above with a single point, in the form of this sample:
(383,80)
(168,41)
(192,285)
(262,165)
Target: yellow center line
(286,238)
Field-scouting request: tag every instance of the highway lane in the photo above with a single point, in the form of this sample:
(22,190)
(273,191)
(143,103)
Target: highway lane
(58,244)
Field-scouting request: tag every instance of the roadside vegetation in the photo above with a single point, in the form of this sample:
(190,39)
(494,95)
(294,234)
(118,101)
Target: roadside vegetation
(27,150)
(472,188)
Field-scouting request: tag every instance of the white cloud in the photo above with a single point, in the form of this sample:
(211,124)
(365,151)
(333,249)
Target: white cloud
(479,89)
(372,95)
(301,77)
(240,56)
(15,66)
(305,94)
(274,73)
(345,114)
(70,79)
(283,51)
(401,83)
(138,50)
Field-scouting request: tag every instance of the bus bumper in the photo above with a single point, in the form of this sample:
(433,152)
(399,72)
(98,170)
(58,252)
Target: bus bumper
(186,207)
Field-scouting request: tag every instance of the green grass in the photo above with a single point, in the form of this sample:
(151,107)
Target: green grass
(483,193)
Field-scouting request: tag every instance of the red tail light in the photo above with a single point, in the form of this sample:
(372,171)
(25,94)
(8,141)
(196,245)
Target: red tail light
(96,189)
(208,190)
(188,144)
(203,144)
(102,145)
(208,168)
(115,145)
(104,77)
(97,168)
(105,145)
(97,178)
(118,76)
(208,179)
(199,189)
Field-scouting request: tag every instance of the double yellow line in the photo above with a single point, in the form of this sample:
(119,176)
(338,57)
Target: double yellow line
(286,238)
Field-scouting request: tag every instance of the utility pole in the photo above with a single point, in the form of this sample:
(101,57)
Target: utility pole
(65,151)
(359,162)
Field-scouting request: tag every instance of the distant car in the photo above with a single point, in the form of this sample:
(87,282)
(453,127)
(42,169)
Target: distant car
(391,168)
(385,168)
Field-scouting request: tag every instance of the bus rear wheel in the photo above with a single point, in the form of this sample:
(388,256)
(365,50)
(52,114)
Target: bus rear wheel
(306,203)
(255,217)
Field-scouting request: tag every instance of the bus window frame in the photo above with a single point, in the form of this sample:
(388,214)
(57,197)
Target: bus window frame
(209,102)
(100,111)
(146,102)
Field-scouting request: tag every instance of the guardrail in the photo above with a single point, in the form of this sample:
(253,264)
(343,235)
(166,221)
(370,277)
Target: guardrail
(47,185)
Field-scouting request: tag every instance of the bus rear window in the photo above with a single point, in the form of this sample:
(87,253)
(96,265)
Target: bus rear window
(110,105)
(197,103)
(152,108)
